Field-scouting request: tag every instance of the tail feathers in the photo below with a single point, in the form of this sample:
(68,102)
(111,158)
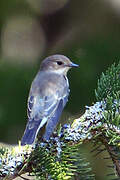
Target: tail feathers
(30,134)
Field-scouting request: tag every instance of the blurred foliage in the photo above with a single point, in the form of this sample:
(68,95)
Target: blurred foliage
(14,88)
(94,56)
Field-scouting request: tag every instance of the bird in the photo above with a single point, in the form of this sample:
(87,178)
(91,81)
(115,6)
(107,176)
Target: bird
(47,97)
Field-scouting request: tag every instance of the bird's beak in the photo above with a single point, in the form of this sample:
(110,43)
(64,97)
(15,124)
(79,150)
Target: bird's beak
(73,65)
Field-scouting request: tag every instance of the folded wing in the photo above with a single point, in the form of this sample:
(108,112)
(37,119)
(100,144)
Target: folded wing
(42,110)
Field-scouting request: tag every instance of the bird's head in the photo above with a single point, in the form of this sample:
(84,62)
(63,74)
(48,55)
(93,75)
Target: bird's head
(57,63)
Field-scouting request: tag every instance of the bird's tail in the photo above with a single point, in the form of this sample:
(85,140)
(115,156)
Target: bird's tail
(30,134)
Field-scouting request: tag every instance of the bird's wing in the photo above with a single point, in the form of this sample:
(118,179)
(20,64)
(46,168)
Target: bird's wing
(40,108)
(40,111)
(53,120)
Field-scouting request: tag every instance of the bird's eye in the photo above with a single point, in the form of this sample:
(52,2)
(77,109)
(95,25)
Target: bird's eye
(59,62)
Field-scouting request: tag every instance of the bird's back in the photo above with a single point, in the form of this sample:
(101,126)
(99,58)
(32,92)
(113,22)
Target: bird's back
(49,83)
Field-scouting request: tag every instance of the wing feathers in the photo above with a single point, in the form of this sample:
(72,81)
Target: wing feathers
(52,122)
(41,110)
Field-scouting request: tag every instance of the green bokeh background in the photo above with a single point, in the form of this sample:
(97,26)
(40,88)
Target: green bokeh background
(87,32)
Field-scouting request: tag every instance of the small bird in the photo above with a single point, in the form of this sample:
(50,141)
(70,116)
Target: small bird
(48,97)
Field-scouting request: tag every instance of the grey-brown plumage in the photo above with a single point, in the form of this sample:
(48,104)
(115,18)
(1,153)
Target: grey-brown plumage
(47,98)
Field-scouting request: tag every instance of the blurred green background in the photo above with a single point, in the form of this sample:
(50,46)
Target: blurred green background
(88,32)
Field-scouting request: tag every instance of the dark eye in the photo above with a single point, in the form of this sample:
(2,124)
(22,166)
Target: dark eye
(59,62)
